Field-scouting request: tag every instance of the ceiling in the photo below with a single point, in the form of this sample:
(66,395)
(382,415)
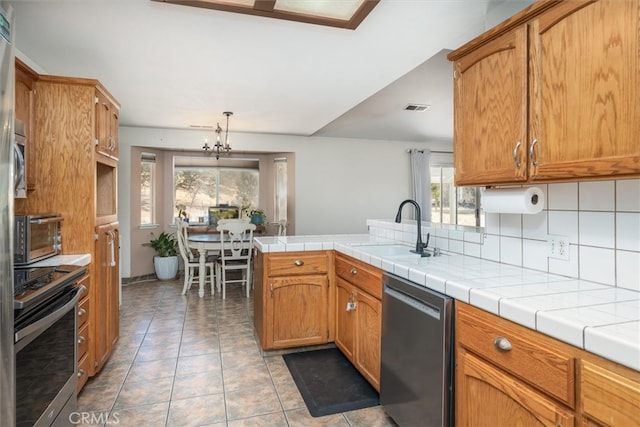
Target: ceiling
(174,66)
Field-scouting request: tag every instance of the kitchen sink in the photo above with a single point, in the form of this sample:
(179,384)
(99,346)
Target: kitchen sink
(385,251)
(393,251)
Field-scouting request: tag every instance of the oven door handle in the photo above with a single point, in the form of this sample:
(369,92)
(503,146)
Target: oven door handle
(50,319)
(46,220)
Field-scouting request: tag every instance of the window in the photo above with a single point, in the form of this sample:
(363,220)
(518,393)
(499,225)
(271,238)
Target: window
(451,204)
(281,189)
(147,188)
(203,182)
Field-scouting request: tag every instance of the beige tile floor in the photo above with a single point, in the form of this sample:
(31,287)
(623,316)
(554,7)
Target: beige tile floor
(189,361)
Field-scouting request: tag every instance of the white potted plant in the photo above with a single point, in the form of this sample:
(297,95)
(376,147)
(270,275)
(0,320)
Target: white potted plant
(165,262)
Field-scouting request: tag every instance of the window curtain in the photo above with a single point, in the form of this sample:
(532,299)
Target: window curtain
(421,181)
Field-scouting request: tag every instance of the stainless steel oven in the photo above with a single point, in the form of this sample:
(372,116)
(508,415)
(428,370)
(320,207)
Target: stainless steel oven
(45,310)
(36,237)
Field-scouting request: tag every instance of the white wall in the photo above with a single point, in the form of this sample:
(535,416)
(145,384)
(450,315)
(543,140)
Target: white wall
(339,182)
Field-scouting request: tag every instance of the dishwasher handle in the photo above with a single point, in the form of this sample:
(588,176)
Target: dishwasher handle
(421,306)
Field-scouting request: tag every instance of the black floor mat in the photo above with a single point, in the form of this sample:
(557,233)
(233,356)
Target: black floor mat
(329,383)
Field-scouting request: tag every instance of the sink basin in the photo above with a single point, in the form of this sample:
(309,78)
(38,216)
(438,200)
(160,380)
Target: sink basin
(387,250)
(393,251)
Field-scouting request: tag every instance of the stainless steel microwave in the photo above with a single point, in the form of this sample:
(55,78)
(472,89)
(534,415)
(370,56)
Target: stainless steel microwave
(36,237)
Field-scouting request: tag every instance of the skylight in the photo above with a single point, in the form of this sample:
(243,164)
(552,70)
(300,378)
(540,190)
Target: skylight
(346,14)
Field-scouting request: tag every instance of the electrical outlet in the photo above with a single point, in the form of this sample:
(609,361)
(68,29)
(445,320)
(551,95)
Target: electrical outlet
(558,247)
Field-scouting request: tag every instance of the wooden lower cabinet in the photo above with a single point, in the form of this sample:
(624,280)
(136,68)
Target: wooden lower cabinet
(106,296)
(359,316)
(292,303)
(83,338)
(610,394)
(507,374)
(488,396)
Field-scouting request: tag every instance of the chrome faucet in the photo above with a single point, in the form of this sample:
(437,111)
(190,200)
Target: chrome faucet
(419,245)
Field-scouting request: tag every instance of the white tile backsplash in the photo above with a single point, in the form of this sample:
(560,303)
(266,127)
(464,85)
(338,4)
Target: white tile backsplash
(628,270)
(563,196)
(597,229)
(511,250)
(598,265)
(628,231)
(511,225)
(628,195)
(564,223)
(601,220)
(535,226)
(596,196)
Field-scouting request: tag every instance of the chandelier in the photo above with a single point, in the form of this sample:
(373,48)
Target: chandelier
(219,148)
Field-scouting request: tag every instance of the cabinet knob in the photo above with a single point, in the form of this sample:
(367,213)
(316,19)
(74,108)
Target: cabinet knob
(81,339)
(80,372)
(298,262)
(353,271)
(82,312)
(502,344)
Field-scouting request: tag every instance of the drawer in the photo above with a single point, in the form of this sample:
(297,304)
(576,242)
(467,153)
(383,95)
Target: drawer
(532,357)
(300,263)
(83,312)
(83,340)
(363,276)
(608,397)
(83,371)
(86,282)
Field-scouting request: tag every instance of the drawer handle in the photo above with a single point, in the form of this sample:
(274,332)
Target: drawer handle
(82,312)
(502,344)
(354,271)
(81,339)
(80,372)
(298,262)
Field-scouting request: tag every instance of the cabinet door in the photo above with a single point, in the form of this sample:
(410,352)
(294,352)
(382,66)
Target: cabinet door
(106,299)
(298,311)
(486,396)
(368,335)
(585,86)
(490,112)
(106,126)
(345,318)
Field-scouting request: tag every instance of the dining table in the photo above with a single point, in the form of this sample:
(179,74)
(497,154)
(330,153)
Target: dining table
(204,243)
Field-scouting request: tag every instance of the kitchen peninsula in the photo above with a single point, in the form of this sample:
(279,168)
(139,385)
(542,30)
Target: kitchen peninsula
(594,328)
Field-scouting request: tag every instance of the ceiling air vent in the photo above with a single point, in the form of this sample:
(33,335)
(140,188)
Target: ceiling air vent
(417,107)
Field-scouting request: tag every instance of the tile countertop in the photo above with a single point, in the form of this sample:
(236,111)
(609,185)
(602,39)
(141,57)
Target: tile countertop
(80,260)
(599,318)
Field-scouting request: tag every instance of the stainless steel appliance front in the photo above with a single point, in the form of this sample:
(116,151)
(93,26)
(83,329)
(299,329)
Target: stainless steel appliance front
(45,345)
(36,237)
(416,373)
(7,76)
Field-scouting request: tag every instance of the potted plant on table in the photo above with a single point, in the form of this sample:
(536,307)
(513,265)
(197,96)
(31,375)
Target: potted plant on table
(165,261)
(257,216)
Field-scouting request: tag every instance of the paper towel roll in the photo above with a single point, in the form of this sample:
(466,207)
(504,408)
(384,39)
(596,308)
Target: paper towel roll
(528,200)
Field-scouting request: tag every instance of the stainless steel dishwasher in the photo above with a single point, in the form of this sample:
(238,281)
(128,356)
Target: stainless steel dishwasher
(416,373)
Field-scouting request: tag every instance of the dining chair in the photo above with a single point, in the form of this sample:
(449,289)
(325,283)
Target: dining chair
(191,262)
(236,248)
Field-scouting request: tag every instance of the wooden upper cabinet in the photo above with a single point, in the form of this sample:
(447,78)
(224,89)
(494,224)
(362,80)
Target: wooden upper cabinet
(25,111)
(490,107)
(550,95)
(107,120)
(585,86)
